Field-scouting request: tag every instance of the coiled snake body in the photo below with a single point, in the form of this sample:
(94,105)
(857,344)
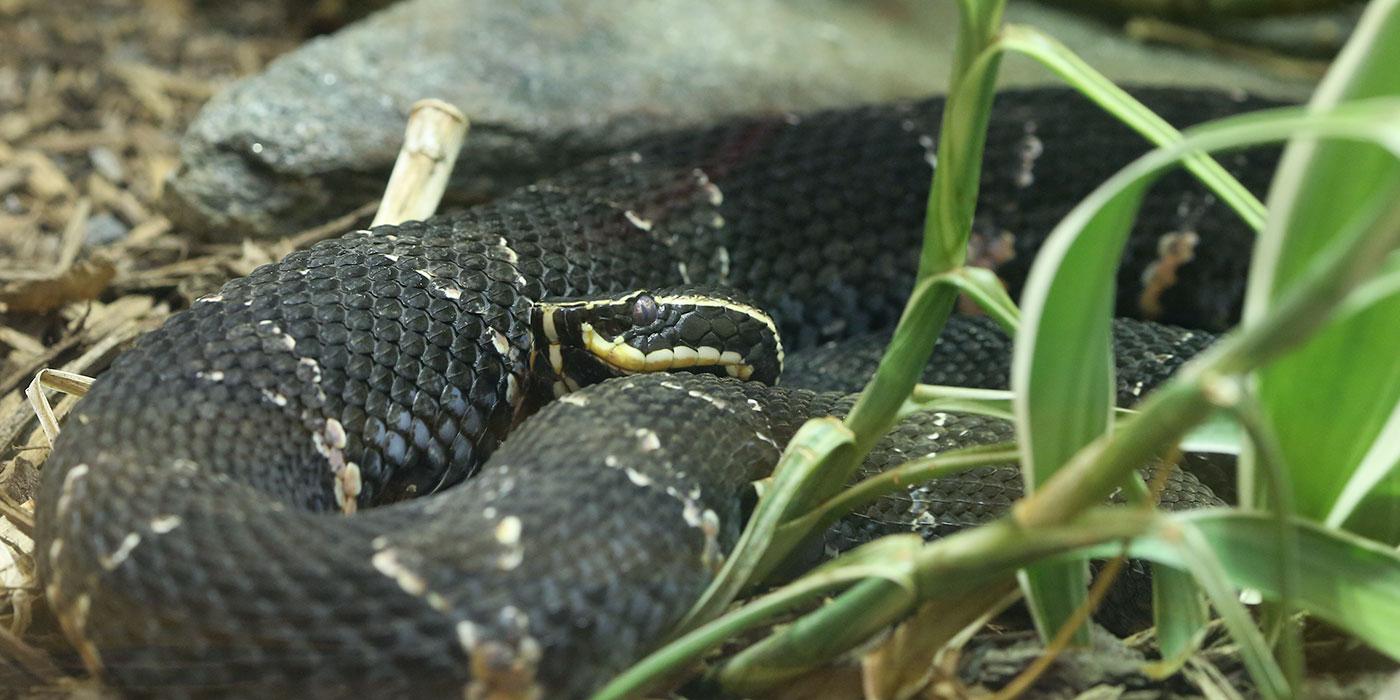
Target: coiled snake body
(191,527)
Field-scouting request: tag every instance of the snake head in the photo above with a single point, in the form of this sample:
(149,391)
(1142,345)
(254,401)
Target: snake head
(582,341)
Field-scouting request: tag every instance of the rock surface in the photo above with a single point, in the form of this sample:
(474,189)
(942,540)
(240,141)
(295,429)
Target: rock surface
(544,83)
(1108,669)
(547,83)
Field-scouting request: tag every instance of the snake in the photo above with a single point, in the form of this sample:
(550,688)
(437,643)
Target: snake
(269,494)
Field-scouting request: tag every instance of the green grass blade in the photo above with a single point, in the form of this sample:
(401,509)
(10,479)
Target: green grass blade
(1061,365)
(1053,592)
(962,134)
(816,443)
(955,565)
(987,290)
(884,557)
(1199,556)
(1382,505)
(1384,287)
(1278,484)
(951,201)
(1380,462)
(1350,367)
(897,479)
(1179,615)
(899,369)
(1347,580)
(817,637)
(1169,412)
(1217,434)
(983,402)
(1057,57)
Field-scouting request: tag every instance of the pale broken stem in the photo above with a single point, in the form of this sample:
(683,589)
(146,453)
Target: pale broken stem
(432,139)
(58,380)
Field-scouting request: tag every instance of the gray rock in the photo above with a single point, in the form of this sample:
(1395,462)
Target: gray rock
(545,83)
(1107,669)
(103,228)
(1128,61)
(106,163)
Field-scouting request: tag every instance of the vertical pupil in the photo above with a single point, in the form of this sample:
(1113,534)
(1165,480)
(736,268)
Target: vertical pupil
(643,310)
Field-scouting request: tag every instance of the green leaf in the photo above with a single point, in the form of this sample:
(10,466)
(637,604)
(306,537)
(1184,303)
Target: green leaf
(1382,460)
(1347,580)
(1183,401)
(1350,367)
(1382,506)
(1062,371)
(983,402)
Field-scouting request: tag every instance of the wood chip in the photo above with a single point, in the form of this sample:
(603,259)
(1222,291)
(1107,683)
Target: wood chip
(17,572)
(145,232)
(148,89)
(10,178)
(21,342)
(44,178)
(81,282)
(107,195)
(65,141)
(124,313)
(17,515)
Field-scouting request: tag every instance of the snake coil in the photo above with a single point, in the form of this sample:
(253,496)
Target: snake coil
(192,526)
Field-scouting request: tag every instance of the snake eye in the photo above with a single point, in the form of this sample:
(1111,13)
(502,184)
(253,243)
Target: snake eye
(644,311)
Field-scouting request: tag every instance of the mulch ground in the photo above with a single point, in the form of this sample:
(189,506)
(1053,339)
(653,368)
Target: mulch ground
(94,95)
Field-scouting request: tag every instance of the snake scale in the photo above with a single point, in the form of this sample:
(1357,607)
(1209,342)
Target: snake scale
(192,530)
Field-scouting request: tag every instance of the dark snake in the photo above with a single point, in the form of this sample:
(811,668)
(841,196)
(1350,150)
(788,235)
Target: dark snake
(190,527)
